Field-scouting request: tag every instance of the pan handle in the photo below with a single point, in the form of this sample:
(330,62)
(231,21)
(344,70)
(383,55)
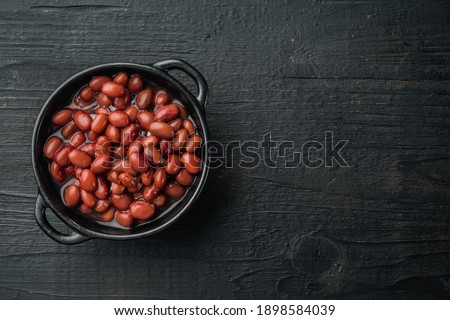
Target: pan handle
(176,64)
(72,238)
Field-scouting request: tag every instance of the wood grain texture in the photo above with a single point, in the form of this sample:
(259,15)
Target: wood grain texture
(375,73)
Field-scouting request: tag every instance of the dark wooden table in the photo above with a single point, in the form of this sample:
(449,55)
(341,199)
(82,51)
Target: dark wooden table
(375,73)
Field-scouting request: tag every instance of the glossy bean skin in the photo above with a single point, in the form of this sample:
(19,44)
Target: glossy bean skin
(144,98)
(72,196)
(128,180)
(152,154)
(102,145)
(121,78)
(167,113)
(142,210)
(191,162)
(57,172)
(145,118)
(101,164)
(184,178)
(69,170)
(69,130)
(62,156)
(160,178)
(113,176)
(92,136)
(51,146)
(173,166)
(176,124)
(132,112)
(182,111)
(112,89)
(88,198)
(97,82)
(125,166)
(193,144)
(174,190)
(180,139)
(88,180)
(138,162)
(113,133)
(87,95)
(103,205)
(80,158)
(129,134)
(106,216)
(150,192)
(62,117)
(161,130)
(84,209)
(99,124)
(189,126)
(147,177)
(82,120)
(120,103)
(162,98)
(124,219)
(88,148)
(77,139)
(135,84)
(102,191)
(119,119)
(121,201)
(160,200)
(103,100)
(117,188)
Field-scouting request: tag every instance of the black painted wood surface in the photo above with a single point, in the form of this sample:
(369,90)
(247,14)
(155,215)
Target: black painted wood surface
(376,73)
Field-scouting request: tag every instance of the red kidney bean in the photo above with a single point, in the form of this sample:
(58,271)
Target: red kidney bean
(144,98)
(189,126)
(87,95)
(193,144)
(135,84)
(179,140)
(121,78)
(160,178)
(138,162)
(162,98)
(112,89)
(57,172)
(174,190)
(84,209)
(62,117)
(92,136)
(69,130)
(183,112)
(142,210)
(102,191)
(117,188)
(147,177)
(152,140)
(119,119)
(152,154)
(106,216)
(103,100)
(101,164)
(113,133)
(184,178)
(191,162)
(161,130)
(77,139)
(164,147)
(69,170)
(88,198)
(125,166)
(135,147)
(51,146)
(103,205)
(102,145)
(99,123)
(150,192)
(123,101)
(129,134)
(167,113)
(78,172)
(119,152)
(102,110)
(62,156)
(160,200)
(173,164)
(145,118)
(121,201)
(80,158)
(88,180)
(82,120)
(72,196)
(128,180)
(124,219)
(176,124)
(97,82)
(132,112)
(88,148)
(113,176)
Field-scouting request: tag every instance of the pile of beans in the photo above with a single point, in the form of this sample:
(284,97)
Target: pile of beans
(123,151)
